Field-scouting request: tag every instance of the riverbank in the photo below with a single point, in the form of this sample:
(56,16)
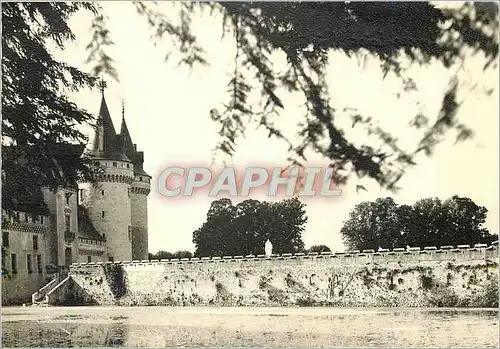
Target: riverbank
(247,327)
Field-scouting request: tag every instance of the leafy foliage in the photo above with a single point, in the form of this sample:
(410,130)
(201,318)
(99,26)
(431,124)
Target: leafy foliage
(243,229)
(168,255)
(398,34)
(37,113)
(38,120)
(115,278)
(428,222)
(319,248)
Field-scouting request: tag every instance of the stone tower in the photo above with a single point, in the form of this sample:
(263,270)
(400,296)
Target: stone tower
(139,191)
(117,206)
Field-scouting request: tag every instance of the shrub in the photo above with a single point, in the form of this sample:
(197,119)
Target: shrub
(426,282)
(489,297)
(306,302)
(115,278)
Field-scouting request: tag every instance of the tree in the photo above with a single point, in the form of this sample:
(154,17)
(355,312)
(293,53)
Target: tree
(288,218)
(455,221)
(373,225)
(160,255)
(168,255)
(214,236)
(38,120)
(428,222)
(302,32)
(319,248)
(36,112)
(182,254)
(244,228)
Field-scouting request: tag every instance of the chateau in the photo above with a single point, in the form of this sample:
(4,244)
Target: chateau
(86,222)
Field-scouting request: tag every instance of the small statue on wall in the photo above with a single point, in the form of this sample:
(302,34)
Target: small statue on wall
(268,248)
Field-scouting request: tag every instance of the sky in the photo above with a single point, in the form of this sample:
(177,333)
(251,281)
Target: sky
(167,112)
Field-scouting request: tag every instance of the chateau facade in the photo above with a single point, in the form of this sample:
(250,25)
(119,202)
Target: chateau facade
(100,222)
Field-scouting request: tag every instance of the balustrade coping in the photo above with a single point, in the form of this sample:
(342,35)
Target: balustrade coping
(311,255)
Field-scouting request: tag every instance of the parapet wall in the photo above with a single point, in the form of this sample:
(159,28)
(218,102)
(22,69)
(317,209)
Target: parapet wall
(411,254)
(448,276)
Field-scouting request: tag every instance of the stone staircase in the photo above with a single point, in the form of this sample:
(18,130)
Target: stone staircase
(39,298)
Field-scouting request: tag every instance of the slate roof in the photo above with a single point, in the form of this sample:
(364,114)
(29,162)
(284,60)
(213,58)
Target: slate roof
(116,146)
(86,229)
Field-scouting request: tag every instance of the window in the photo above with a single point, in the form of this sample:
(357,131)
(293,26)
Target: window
(103,214)
(68,223)
(89,259)
(128,165)
(96,163)
(39,263)
(13,263)
(33,219)
(110,259)
(26,217)
(104,236)
(129,233)
(140,179)
(67,198)
(114,164)
(41,219)
(5,239)
(35,242)
(102,192)
(4,261)
(128,192)
(17,217)
(81,194)
(29,264)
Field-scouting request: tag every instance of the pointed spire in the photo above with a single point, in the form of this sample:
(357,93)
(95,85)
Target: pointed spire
(102,86)
(105,142)
(127,143)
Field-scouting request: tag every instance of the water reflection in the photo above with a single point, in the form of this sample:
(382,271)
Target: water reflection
(63,335)
(116,335)
(163,327)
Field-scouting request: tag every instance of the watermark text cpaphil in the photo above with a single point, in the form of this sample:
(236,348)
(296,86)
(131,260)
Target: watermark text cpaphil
(292,181)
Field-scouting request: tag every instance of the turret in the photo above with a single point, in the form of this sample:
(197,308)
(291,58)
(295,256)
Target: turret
(108,204)
(140,189)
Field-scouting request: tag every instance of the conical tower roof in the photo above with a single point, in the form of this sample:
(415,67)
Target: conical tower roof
(106,143)
(130,149)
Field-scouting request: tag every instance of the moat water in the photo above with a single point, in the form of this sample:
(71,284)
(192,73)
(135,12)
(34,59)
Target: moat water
(248,327)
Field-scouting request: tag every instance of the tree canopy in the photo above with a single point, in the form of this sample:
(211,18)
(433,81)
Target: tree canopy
(37,112)
(319,248)
(168,255)
(399,34)
(243,229)
(429,222)
(39,134)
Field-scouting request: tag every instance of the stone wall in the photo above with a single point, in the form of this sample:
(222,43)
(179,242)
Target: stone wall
(19,281)
(448,276)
